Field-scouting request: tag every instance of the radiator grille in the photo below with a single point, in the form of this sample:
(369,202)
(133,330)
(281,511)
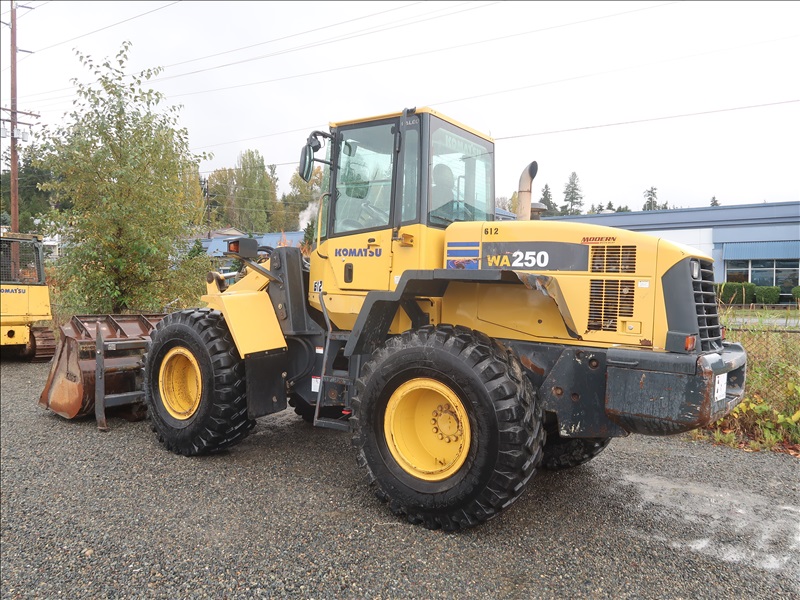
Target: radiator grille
(705,300)
(613,259)
(609,300)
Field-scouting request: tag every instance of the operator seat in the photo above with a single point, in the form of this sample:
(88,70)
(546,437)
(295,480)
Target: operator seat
(443,181)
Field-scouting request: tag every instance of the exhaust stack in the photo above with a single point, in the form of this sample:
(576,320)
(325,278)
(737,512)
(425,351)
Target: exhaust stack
(527,210)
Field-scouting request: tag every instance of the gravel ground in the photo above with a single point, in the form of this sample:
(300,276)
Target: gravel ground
(287,513)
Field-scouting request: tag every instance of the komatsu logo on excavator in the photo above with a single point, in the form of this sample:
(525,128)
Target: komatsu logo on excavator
(357,252)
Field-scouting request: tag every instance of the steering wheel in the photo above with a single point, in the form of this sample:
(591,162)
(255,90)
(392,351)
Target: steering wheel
(376,213)
(350,225)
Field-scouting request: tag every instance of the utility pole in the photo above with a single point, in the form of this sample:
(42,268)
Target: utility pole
(14,122)
(14,161)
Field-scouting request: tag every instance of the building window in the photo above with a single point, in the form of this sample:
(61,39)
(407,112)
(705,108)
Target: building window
(737,271)
(781,273)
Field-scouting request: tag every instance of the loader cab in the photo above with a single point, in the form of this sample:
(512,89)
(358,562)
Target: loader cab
(392,185)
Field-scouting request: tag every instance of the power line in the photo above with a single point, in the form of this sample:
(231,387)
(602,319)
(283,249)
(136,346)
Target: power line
(362,33)
(280,39)
(90,33)
(329,69)
(694,114)
(289,50)
(370,63)
(107,27)
(617,70)
(587,127)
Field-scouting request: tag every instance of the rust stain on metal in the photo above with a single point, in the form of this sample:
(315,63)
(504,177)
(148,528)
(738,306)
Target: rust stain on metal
(528,363)
(645,342)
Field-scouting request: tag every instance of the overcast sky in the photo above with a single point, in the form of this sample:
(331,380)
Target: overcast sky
(550,81)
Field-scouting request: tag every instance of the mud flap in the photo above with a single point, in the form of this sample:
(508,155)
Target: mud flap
(266,382)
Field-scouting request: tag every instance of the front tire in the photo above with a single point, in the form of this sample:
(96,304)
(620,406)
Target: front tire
(447,426)
(194,384)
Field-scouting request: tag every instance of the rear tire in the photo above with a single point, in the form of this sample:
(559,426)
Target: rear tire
(194,382)
(565,453)
(447,427)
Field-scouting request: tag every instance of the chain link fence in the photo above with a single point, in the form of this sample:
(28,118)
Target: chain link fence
(768,348)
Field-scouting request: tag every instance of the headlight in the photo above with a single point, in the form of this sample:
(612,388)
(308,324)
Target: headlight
(695,267)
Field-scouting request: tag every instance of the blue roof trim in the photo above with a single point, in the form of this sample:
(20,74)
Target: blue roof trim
(736,215)
(761,250)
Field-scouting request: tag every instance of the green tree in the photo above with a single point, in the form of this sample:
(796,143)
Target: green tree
(573,196)
(34,203)
(222,198)
(622,209)
(551,209)
(134,188)
(714,201)
(513,202)
(651,199)
(254,193)
(309,237)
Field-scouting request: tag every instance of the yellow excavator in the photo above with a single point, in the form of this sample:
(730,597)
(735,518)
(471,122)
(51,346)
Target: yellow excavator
(462,353)
(24,298)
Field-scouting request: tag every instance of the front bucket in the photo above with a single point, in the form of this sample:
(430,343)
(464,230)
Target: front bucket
(70,387)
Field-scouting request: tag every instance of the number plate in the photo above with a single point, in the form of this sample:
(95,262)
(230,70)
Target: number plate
(720,385)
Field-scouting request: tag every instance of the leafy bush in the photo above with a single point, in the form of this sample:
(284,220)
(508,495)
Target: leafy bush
(766,294)
(732,292)
(769,416)
(796,292)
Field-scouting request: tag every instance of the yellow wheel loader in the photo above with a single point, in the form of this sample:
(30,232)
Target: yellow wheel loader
(463,353)
(25,298)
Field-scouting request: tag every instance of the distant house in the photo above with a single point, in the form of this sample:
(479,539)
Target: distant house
(216,244)
(501,214)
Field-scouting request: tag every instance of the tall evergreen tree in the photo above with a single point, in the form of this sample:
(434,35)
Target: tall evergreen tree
(254,193)
(714,201)
(573,196)
(551,209)
(651,199)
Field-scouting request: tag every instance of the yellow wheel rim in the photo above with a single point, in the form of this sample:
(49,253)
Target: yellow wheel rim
(180,383)
(427,429)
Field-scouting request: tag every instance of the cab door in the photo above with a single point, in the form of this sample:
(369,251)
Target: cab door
(357,251)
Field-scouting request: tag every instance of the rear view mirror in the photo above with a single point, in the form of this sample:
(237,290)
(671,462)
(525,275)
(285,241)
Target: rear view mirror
(307,154)
(306,162)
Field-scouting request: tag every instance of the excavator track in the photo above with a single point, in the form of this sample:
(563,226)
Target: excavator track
(42,345)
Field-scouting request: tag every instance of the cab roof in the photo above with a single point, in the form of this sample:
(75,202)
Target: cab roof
(416,111)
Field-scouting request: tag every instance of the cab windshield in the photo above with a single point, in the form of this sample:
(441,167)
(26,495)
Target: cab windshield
(462,176)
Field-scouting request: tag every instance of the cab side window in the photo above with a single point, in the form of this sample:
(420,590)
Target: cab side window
(363,187)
